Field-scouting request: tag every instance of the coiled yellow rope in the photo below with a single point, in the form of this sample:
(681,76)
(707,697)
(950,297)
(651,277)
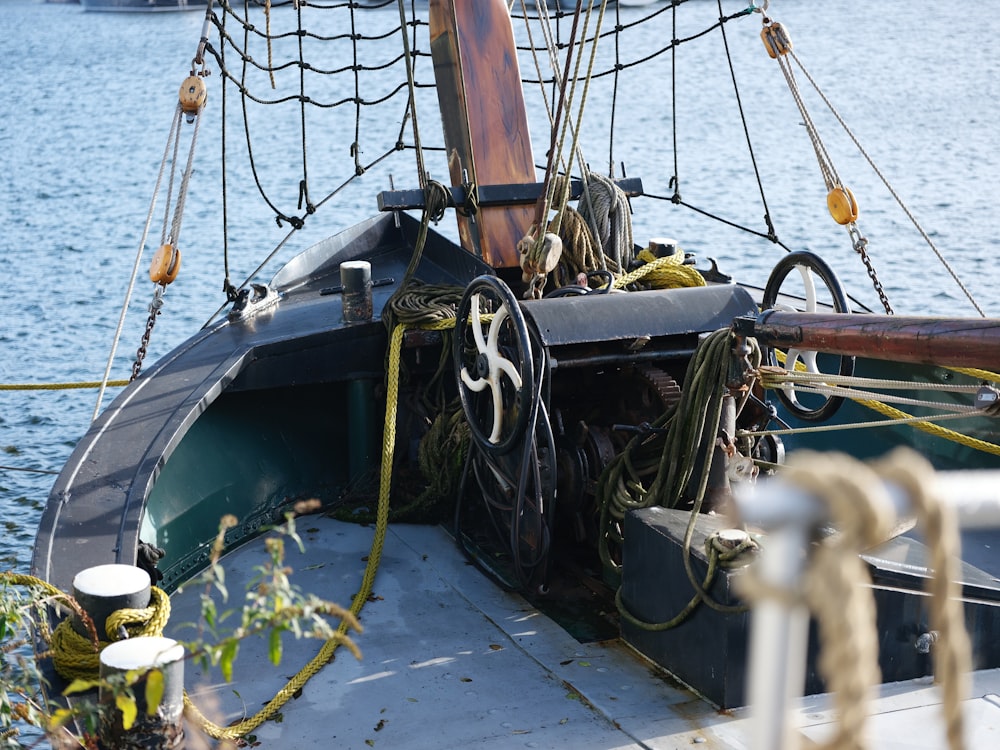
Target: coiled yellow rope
(667,272)
(76,656)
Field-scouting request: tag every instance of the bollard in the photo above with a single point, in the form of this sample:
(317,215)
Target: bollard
(160,729)
(104,589)
(356,298)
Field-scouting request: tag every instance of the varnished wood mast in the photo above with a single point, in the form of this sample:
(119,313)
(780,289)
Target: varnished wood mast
(485,124)
(953,342)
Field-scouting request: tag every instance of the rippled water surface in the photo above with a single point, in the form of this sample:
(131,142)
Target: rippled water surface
(89,102)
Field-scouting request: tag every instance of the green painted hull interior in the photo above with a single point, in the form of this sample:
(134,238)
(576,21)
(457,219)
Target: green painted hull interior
(871,443)
(251,454)
(254,453)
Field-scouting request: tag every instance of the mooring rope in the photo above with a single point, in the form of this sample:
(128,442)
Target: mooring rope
(75,656)
(63,386)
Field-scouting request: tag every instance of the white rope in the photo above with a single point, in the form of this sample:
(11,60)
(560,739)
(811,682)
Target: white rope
(174,127)
(892,192)
(854,425)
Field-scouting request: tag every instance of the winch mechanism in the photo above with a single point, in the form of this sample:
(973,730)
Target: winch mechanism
(554,389)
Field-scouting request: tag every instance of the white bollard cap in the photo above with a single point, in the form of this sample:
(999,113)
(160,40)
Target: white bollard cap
(141,653)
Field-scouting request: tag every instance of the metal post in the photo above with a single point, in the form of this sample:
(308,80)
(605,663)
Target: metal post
(356,298)
(103,589)
(160,727)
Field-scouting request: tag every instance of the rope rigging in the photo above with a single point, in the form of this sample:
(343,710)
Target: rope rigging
(597,236)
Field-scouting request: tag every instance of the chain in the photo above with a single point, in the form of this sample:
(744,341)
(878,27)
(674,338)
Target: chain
(861,248)
(154,310)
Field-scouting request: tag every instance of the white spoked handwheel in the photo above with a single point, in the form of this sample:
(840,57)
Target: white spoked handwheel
(493,364)
(807,299)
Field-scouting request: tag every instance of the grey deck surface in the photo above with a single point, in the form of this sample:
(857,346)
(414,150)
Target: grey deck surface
(449,660)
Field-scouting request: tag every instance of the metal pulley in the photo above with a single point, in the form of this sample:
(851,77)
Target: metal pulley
(192,96)
(775,38)
(166,264)
(843,207)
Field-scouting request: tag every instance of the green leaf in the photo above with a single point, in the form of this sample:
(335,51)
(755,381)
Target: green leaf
(60,718)
(208,612)
(80,686)
(129,710)
(154,691)
(274,652)
(229,651)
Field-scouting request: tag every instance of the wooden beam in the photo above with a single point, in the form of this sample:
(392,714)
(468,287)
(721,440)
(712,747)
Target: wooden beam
(526,194)
(485,124)
(949,342)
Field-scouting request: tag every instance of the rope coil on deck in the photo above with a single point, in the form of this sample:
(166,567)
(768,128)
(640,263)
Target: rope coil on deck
(75,656)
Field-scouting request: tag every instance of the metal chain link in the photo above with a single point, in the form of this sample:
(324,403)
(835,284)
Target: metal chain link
(154,310)
(861,248)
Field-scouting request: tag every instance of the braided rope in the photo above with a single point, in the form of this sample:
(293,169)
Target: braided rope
(667,272)
(75,656)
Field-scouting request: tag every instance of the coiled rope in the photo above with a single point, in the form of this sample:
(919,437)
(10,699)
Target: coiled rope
(666,272)
(668,461)
(77,657)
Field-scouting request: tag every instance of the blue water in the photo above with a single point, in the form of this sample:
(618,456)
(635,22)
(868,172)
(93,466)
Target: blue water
(89,102)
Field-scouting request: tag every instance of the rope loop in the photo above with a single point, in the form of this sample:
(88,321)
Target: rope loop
(837,588)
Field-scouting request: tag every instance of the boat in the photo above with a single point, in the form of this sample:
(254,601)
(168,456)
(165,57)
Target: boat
(527,459)
(142,6)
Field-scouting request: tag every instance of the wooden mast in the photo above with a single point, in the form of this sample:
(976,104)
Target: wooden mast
(485,124)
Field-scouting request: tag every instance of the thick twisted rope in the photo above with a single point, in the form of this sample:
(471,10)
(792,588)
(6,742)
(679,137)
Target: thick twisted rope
(837,585)
(666,272)
(952,651)
(78,657)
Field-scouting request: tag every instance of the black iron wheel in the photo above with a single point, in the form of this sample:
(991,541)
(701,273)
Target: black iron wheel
(807,298)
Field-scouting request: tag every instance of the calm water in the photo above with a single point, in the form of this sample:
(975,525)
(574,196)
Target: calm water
(90,98)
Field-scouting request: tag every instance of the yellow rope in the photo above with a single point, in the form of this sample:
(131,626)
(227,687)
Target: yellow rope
(974,372)
(933,429)
(326,653)
(60,386)
(76,656)
(929,427)
(668,272)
